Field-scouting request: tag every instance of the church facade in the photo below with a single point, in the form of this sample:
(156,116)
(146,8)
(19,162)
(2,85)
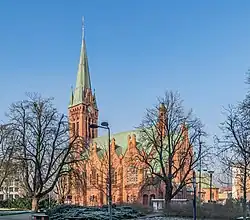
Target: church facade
(128,174)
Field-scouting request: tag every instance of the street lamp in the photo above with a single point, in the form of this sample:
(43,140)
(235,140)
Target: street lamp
(194,200)
(211,181)
(105,125)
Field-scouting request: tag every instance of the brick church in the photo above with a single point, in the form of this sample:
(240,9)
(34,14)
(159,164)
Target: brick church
(128,176)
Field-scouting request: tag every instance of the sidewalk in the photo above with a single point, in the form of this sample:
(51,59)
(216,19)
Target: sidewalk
(12,212)
(16,217)
(153,215)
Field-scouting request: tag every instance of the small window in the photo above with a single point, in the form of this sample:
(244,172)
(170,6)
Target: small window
(73,128)
(93,133)
(77,128)
(115,178)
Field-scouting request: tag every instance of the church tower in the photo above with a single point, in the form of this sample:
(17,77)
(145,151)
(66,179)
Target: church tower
(83,109)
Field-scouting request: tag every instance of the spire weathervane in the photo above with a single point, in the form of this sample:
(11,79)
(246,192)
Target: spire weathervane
(82,27)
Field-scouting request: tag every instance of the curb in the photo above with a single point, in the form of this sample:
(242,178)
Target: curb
(15,213)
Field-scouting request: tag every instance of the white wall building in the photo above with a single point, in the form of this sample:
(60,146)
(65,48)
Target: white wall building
(10,189)
(235,172)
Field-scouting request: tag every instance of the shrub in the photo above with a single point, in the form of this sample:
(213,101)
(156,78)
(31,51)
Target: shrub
(18,203)
(94,213)
(46,203)
(207,211)
(24,203)
(144,210)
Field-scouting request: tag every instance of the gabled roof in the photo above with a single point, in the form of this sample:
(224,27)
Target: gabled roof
(121,142)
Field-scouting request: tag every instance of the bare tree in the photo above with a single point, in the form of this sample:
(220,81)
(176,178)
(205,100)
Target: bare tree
(234,145)
(170,144)
(62,189)
(97,168)
(44,145)
(7,164)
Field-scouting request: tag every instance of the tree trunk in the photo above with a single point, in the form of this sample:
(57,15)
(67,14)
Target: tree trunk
(167,198)
(244,205)
(62,200)
(35,204)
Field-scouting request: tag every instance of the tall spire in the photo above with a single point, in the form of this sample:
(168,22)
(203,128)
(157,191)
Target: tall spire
(83,76)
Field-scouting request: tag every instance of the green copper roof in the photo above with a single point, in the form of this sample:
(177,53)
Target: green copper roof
(121,141)
(83,76)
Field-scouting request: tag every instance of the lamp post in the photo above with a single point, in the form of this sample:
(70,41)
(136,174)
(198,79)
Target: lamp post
(200,188)
(211,181)
(194,199)
(105,125)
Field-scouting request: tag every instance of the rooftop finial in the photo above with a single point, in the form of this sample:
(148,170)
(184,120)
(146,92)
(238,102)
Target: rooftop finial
(82,27)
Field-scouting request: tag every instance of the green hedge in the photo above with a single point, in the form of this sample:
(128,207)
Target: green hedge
(25,203)
(19,203)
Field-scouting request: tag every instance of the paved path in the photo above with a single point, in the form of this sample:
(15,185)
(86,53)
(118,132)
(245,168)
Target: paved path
(16,217)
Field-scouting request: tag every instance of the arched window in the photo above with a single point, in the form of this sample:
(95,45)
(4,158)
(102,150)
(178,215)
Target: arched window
(93,132)
(90,178)
(132,175)
(77,128)
(115,178)
(87,128)
(73,128)
(93,171)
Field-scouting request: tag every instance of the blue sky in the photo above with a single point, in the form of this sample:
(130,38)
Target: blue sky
(137,50)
